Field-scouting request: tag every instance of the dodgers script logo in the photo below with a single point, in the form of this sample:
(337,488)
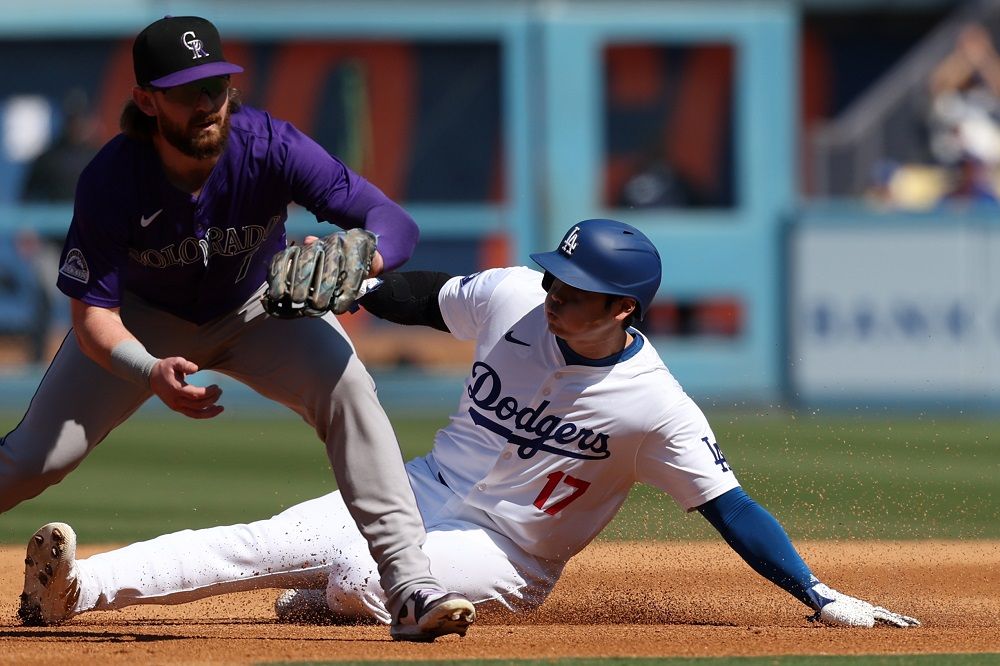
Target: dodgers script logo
(569,243)
(193,44)
(485,390)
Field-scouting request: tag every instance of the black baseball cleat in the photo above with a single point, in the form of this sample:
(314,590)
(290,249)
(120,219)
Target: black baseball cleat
(51,587)
(428,614)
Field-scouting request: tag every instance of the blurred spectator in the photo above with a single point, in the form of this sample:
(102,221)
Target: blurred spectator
(965,116)
(52,176)
(974,182)
(911,186)
(41,260)
(880,193)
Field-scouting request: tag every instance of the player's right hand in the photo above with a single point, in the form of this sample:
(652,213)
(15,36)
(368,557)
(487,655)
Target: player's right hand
(167,381)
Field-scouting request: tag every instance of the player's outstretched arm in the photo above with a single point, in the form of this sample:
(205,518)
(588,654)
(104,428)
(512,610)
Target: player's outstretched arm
(409,298)
(762,542)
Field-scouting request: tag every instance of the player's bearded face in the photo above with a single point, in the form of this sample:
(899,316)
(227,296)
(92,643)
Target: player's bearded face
(201,136)
(198,129)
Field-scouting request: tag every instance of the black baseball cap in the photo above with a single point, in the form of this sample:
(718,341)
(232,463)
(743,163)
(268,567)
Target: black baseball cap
(179,49)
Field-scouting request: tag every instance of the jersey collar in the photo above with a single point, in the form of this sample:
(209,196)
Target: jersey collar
(572,358)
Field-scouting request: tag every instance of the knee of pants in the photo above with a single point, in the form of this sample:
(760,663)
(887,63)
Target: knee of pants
(34,458)
(18,485)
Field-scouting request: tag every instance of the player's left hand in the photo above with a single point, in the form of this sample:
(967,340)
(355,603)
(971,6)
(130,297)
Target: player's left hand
(320,276)
(841,610)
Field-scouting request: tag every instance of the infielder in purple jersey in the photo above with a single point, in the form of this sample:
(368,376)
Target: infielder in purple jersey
(174,226)
(566,406)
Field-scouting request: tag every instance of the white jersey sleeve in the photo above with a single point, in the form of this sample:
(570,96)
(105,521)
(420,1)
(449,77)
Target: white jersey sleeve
(681,456)
(470,302)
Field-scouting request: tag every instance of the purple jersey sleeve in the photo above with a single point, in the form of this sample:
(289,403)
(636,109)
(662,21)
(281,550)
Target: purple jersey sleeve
(96,248)
(333,192)
(397,232)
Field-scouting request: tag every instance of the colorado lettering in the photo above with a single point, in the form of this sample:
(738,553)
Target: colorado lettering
(485,391)
(228,242)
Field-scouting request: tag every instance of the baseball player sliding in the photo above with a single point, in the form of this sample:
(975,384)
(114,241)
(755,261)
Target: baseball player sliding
(174,226)
(565,407)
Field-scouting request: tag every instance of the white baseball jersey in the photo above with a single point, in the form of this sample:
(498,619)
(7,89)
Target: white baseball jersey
(549,443)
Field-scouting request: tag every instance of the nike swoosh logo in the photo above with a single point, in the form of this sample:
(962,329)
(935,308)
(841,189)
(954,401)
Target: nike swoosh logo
(146,221)
(509,337)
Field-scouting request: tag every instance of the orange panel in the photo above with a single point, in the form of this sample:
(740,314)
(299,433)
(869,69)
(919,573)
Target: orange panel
(636,75)
(617,171)
(295,85)
(719,317)
(494,251)
(700,122)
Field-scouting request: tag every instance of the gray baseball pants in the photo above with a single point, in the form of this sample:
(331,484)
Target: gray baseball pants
(307,364)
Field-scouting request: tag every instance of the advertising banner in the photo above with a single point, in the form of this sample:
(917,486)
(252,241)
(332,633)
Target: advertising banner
(895,313)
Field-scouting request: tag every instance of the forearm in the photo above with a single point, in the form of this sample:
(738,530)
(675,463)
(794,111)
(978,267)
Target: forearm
(397,232)
(409,298)
(761,541)
(104,338)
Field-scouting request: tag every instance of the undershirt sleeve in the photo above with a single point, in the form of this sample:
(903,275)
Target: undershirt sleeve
(760,540)
(409,298)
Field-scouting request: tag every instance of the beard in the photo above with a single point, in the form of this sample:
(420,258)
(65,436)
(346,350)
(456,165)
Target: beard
(191,140)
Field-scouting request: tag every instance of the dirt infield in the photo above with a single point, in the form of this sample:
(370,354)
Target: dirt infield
(637,599)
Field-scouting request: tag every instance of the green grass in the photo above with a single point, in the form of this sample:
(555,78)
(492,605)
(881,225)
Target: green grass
(849,477)
(823,477)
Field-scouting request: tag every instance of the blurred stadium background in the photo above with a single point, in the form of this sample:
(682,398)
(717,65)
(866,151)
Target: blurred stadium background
(824,204)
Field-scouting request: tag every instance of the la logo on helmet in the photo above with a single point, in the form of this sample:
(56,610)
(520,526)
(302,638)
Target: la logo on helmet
(569,243)
(193,44)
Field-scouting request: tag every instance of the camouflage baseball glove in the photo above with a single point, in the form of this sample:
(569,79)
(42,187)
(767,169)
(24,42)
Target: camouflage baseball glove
(309,280)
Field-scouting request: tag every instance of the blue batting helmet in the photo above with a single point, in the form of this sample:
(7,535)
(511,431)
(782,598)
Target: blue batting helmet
(608,257)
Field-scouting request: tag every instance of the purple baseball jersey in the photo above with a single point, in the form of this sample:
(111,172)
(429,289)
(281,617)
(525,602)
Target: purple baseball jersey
(199,257)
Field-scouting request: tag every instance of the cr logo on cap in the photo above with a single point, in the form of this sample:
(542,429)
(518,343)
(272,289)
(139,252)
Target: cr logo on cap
(194,45)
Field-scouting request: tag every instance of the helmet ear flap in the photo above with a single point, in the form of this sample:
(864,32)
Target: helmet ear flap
(547,281)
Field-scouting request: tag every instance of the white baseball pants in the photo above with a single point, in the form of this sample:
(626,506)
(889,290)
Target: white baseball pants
(315,544)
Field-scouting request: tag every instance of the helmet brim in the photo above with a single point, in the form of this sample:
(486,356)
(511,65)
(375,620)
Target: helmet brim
(569,273)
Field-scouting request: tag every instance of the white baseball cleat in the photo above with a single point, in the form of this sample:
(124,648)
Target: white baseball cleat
(51,585)
(427,614)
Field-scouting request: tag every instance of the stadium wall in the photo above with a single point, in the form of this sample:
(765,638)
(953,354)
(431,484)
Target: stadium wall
(496,124)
